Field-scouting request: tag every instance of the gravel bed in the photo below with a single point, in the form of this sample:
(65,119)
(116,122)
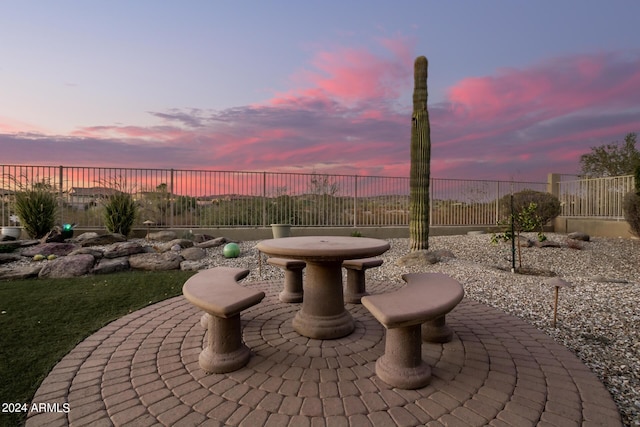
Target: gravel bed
(598,317)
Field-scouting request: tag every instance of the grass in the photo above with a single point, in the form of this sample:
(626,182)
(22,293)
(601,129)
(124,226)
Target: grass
(41,320)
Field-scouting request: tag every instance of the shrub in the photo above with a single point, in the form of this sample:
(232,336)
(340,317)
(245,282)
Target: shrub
(120,212)
(36,208)
(547,207)
(631,208)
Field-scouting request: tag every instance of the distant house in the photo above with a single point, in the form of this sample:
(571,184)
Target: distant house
(85,197)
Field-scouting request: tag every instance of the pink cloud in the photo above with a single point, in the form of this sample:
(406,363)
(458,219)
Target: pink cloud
(354,76)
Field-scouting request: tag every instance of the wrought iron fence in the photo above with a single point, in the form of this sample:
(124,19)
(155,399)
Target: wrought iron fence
(595,197)
(209,199)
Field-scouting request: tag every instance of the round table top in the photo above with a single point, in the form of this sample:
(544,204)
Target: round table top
(323,248)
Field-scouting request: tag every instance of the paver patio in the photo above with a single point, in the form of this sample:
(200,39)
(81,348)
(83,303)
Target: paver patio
(143,370)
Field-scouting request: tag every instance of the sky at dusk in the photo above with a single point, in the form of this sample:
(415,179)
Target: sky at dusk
(517,89)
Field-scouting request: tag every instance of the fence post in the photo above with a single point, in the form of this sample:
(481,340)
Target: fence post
(60,203)
(430,203)
(355,202)
(553,184)
(264,199)
(497,202)
(171,201)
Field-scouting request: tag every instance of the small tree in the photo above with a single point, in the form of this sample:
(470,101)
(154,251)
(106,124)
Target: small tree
(522,220)
(611,159)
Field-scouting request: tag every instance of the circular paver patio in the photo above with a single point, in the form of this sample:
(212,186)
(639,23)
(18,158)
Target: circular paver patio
(143,370)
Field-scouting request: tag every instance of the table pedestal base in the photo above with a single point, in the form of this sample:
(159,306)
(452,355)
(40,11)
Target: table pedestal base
(323,327)
(323,315)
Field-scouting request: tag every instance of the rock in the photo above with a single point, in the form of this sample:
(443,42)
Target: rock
(153,261)
(46,249)
(182,243)
(547,244)
(95,252)
(111,265)
(86,236)
(444,253)
(200,238)
(213,243)
(54,235)
(68,266)
(7,258)
(22,272)
(123,249)
(524,242)
(579,236)
(105,239)
(10,245)
(162,236)
(418,258)
(193,254)
(192,265)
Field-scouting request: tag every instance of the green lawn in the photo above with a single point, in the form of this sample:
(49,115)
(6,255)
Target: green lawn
(41,320)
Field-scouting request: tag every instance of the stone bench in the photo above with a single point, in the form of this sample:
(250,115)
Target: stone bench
(401,312)
(436,330)
(292,291)
(356,287)
(217,292)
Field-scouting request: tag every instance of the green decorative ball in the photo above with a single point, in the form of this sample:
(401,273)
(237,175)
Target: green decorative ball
(231,250)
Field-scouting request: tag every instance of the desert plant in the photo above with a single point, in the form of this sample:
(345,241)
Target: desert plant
(420,170)
(547,208)
(521,220)
(36,207)
(120,212)
(631,208)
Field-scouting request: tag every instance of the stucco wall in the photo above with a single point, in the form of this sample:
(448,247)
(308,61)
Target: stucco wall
(593,226)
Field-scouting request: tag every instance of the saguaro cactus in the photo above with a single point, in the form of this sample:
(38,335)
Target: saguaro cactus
(420,160)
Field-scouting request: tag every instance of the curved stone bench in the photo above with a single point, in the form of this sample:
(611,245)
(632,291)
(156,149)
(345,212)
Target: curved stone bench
(217,292)
(356,286)
(401,313)
(292,291)
(436,330)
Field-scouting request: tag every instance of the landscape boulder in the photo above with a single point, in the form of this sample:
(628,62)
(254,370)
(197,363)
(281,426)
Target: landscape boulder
(85,236)
(547,244)
(68,266)
(7,258)
(181,243)
(46,249)
(21,272)
(192,265)
(418,258)
(111,265)
(213,243)
(154,261)
(95,252)
(193,254)
(103,240)
(200,238)
(121,249)
(162,236)
(579,236)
